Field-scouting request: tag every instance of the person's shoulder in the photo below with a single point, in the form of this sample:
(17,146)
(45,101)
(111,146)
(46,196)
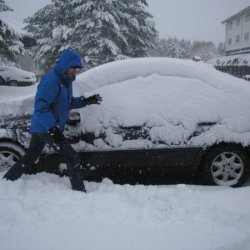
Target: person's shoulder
(49,81)
(49,76)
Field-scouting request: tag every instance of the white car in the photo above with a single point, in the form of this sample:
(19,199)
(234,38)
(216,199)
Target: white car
(12,76)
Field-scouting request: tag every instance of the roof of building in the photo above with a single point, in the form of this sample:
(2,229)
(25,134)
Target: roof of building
(237,14)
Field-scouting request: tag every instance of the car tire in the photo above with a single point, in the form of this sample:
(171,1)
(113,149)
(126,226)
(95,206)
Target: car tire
(225,165)
(10,153)
(13,83)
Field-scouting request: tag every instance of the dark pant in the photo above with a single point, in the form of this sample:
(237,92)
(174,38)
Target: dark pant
(37,143)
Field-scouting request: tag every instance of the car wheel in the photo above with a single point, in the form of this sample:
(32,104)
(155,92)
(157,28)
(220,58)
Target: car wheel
(10,153)
(13,83)
(225,165)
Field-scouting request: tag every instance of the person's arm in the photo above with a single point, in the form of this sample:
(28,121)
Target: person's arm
(45,96)
(80,102)
(77,102)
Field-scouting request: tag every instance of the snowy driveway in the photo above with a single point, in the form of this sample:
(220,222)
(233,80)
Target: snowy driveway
(41,212)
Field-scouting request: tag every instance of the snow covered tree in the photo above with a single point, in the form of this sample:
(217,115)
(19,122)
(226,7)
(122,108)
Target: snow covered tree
(138,27)
(144,2)
(172,47)
(45,29)
(185,46)
(160,48)
(10,41)
(205,50)
(100,30)
(4,6)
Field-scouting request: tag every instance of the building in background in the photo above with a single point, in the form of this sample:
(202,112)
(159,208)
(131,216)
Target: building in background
(237,39)
(237,46)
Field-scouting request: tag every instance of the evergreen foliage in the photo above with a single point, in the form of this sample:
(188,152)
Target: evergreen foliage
(100,30)
(205,50)
(11,45)
(173,47)
(176,48)
(4,6)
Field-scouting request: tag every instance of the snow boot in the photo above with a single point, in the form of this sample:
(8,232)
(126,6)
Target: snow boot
(74,167)
(76,178)
(15,172)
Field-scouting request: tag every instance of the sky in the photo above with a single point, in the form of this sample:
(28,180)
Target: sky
(187,19)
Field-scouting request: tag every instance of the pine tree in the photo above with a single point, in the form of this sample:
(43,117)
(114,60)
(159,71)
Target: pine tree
(4,6)
(100,30)
(138,28)
(185,46)
(205,50)
(10,41)
(46,30)
(144,2)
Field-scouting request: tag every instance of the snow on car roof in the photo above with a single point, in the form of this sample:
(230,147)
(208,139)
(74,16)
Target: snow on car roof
(169,97)
(122,70)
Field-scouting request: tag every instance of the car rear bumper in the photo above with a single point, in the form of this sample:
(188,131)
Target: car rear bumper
(26,83)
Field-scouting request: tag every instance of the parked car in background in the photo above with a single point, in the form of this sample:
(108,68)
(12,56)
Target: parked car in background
(246,77)
(159,117)
(12,76)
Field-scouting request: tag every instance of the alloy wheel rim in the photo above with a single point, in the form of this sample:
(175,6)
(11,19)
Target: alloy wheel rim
(7,160)
(227,168)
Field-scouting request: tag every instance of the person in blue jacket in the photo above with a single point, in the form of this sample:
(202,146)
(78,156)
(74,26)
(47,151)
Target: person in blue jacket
(53,102)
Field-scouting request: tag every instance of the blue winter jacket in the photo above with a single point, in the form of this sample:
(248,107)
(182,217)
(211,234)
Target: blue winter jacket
(54,98)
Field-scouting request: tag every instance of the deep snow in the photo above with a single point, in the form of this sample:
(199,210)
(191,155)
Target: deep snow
(41,212)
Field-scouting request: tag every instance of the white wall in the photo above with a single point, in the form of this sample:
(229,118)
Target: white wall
(239,26)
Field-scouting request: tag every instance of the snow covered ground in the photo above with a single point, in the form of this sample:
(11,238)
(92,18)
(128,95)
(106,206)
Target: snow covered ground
(41,212)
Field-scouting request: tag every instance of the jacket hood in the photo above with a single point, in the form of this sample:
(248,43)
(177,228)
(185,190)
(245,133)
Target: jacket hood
(67,59)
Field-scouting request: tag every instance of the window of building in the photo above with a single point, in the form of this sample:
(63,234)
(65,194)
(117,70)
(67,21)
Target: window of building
(237,38)
(246,36)
(230,25)
(229,41)
(248,17)
(238,21)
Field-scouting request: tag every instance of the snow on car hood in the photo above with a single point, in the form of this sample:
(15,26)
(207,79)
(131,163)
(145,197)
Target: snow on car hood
(169,97)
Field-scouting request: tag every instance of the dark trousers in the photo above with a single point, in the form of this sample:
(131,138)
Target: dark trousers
(37,143)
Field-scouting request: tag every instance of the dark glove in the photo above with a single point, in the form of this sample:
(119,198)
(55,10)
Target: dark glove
(57,135)
(94,99)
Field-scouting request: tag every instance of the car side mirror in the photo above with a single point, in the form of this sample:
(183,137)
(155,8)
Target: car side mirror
(74,118)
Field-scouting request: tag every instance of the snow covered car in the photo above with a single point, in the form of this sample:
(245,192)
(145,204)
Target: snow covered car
(159,117)
(12,76)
